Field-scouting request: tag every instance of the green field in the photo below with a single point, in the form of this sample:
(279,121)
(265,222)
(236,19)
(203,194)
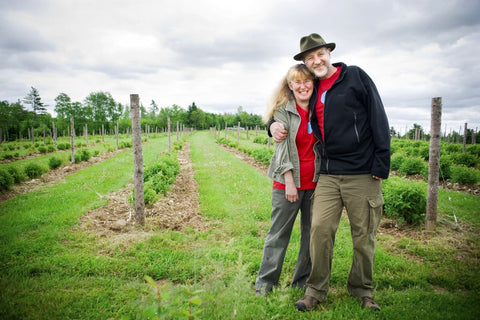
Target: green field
(52,269)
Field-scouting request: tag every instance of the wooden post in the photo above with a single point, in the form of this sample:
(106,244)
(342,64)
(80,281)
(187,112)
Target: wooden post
(116,133)
(72,139)
(169,135)
(54,132)
(434,164)
(238,132)
(465,133)
(103,133)
(138,160)
(178,131)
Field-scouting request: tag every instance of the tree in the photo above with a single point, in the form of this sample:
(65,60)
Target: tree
(15,120)
(416,133)
(33,99)
(153,109)
(100,108)
(64,107)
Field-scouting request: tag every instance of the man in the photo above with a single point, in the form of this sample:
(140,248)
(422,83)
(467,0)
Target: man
(349,121)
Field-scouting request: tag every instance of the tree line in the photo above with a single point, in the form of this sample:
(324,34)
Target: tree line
(99,110)
(20,119)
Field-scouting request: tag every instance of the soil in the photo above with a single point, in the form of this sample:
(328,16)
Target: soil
(177,210)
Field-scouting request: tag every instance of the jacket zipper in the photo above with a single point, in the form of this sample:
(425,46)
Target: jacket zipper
(355,126)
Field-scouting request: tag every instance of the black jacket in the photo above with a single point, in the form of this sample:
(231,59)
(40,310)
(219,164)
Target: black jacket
(357,134)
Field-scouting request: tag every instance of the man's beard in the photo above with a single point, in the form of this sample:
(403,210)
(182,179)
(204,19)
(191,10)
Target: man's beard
(321,74)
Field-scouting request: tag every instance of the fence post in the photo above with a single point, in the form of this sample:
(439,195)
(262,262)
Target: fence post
(434,164)
(138,160)
(169,135)
(72,139)
(465,133)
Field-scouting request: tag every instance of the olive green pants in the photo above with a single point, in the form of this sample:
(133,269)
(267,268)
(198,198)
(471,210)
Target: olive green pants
(361,196)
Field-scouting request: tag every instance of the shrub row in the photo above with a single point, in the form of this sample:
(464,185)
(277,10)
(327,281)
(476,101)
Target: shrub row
(469,158)
(411,165)
(263,155)
(159,176)
(12,175)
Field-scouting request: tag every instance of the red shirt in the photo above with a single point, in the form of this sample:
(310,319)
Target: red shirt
(322,91)
(304,141)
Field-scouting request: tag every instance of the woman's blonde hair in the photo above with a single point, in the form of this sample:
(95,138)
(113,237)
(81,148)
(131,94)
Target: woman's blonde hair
(282,93)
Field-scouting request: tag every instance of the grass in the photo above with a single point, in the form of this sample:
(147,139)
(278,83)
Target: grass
(50,269)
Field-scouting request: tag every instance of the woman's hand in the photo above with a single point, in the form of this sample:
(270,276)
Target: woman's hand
(291,193)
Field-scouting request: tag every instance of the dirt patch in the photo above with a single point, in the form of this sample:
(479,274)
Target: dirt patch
(177,210)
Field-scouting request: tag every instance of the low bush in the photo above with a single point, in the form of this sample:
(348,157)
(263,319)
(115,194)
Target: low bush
(404,200)
(42,149)
(85,155)
(124,144)
(446,164)
(159,176)
(263,155)
(465,175)
(464,158)
(6,180)
(474,149)
(34,170)
(63,146)
(54,163)
(8,156)
(396,160)
(452,147)
(261,140)
(16,174)
(412,165)
(149,194)
(424,152)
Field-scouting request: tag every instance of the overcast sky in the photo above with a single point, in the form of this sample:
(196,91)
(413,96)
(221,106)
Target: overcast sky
(224,54)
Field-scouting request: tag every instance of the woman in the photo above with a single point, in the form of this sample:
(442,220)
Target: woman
(292,168)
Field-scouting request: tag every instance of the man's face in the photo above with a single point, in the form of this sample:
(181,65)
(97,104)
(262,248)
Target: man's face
(318,62)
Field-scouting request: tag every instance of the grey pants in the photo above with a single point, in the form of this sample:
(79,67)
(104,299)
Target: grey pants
(283,218)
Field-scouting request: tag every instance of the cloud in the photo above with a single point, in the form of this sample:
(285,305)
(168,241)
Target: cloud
(223,54)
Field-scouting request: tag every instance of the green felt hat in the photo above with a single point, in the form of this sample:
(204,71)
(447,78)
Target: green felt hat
(311,42)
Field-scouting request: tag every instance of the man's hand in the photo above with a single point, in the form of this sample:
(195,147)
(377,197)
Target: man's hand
(278,131)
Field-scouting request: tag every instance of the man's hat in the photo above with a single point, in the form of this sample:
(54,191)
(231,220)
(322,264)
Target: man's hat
(313,41)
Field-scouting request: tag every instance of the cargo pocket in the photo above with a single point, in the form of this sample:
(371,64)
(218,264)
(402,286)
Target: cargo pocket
(375,210)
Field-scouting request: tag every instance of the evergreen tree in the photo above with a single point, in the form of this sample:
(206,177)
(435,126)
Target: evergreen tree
(33,99)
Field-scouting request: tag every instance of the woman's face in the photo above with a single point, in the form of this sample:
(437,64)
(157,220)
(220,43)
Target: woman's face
(302,89)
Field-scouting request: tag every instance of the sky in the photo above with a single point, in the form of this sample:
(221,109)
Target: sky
(224,54)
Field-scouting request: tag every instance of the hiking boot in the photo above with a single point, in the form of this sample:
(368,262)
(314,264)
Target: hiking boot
(307,303)
(368,302)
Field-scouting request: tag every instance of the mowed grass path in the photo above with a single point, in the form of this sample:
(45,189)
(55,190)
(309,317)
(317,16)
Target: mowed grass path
(50,270)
